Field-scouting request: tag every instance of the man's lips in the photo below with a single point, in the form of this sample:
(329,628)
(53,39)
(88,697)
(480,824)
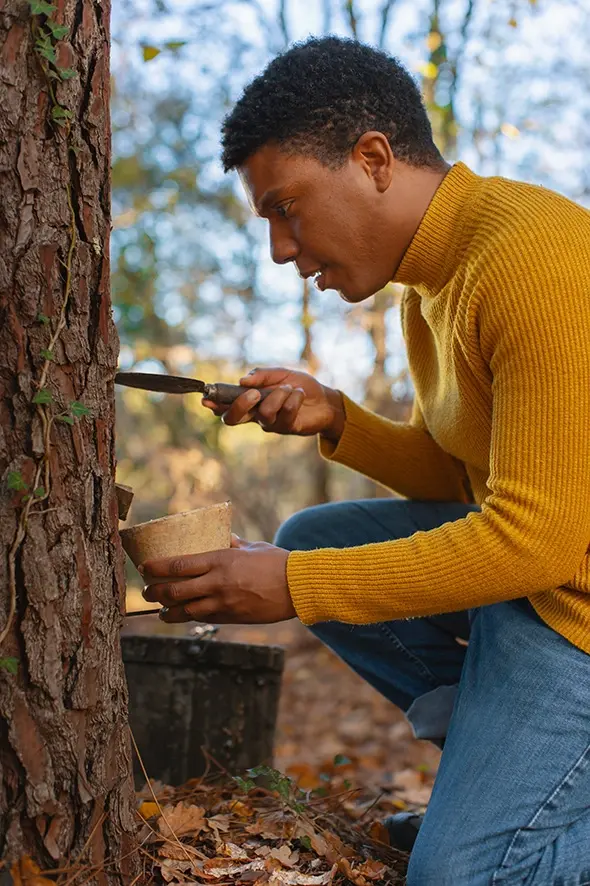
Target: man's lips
(318,273)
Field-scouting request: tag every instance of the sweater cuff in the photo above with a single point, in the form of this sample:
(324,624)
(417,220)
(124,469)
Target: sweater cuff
(347,450)
(306,600)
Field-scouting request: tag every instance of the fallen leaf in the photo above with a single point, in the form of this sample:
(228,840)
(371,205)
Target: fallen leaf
(352,874)
(379,832)
(285,855)
(216,868)
(172,870)
(181,819)
(233,851)
(374,870)
(294,878)
(25,872)
(148,810)
(241,810)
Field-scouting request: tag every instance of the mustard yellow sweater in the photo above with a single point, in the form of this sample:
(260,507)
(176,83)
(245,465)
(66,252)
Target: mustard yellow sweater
(496,319)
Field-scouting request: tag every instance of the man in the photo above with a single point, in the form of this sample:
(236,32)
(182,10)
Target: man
(490,538)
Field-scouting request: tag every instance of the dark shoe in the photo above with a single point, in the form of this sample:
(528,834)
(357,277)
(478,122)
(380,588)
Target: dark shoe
(403,829)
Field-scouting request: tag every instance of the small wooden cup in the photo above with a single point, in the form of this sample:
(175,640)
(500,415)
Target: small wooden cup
(191,532)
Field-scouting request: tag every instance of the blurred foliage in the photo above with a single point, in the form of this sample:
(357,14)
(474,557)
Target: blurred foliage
(505,82)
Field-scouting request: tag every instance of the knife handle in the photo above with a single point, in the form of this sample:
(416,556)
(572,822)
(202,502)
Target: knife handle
(225,394)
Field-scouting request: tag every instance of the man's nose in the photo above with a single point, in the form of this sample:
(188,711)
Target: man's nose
(283,248)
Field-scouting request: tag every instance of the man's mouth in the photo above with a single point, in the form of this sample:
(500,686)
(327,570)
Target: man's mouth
(319,280)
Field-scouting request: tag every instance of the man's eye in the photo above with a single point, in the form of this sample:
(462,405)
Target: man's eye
(283,210)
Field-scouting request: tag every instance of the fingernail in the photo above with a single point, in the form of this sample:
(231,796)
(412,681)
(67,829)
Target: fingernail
(253,396)
(301,391)
(163,611)
(140,569)
(288,388)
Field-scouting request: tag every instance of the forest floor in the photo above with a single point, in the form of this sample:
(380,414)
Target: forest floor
(336,736)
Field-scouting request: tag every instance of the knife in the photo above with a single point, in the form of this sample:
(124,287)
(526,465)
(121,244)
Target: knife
(219,392)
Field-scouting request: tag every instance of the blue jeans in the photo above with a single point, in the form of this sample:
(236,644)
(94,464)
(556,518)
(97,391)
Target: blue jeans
(511,800)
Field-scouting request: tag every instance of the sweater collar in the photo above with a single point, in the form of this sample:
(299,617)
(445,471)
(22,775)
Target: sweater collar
(435,250)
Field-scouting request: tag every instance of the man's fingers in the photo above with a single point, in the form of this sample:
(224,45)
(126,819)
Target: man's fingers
(199,610)
(241,409)
(268,376)
(270,407)
(186,566)
(170,593)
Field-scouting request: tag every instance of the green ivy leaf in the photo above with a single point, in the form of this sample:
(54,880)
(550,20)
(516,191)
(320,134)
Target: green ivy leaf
(43,397)
(305,842)
(175,45)
(48,52)
(58,31)
(244,783)
(67,73)
(47,354)
(39,492)
(15,481)
(78,409)
(65,418)
(60,114)
(150,52)
(43,318)
(40,7)
(9,664)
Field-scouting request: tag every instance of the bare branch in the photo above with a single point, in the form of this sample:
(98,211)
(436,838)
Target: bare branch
(385,11)
(352,17)
(283,21)
(460,51)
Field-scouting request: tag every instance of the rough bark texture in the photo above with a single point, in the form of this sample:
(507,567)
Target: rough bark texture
(64,749)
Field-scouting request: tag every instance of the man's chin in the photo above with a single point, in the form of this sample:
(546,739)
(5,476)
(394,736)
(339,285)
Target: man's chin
(353,297)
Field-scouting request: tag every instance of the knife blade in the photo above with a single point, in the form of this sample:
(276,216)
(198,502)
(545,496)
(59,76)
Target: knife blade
(218,392)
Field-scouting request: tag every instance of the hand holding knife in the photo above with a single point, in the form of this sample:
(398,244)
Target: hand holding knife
(218,392)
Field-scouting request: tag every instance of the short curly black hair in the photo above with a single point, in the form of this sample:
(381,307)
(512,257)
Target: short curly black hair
(320,96)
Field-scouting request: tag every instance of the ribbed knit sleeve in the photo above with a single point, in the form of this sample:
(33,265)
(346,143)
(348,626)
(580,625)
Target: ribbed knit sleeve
(533,530)
(402,457)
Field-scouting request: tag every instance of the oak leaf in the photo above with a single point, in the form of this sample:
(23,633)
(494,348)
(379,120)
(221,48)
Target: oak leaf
(181,819)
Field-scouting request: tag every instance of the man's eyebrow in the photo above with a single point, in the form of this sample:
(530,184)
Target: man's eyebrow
(267,199)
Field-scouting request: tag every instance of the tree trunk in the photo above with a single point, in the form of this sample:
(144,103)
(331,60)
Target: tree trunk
(65,789)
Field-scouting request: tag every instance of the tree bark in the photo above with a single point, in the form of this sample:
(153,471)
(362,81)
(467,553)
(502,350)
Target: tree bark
(65,786)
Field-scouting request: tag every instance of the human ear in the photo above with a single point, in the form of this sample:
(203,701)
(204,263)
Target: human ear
(373,153)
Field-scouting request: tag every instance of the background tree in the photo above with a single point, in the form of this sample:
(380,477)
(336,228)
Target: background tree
(65,788)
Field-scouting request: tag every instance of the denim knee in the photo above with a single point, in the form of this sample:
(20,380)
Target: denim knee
(303,530)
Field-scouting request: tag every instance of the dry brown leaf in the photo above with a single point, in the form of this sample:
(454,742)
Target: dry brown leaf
(217,868)
(176,851)
(374,870)
(233,851)
(305,775)
(350,873)
(295,878)
(379,832)
(181,819)
(287,856)
(26,872)
(174,870)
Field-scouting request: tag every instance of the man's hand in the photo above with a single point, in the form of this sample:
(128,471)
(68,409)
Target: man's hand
(298,404)
(246,584)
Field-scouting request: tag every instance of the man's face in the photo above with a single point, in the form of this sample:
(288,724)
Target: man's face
(335,222)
